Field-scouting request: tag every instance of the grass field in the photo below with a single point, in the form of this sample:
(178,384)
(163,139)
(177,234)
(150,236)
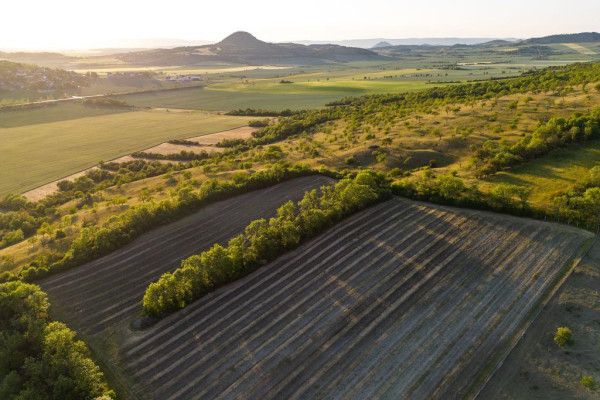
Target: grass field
(454,284)
(36,154)
(554,173)
(52,113)
(216,100)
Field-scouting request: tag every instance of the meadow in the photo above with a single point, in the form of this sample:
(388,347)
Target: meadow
(555,173)
(45,151)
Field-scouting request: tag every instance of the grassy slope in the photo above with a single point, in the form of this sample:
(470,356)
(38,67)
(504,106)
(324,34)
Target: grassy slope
(36,154)
(556,172)
(52,113)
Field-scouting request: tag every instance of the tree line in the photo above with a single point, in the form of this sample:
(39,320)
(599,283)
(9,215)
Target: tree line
(41,358)
(96,241)
(556,133)
(262,242)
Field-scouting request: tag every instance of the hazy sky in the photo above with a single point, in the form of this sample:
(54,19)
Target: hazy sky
(63,24)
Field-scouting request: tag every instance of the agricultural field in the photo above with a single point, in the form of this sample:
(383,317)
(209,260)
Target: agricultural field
(38,153)
(538,368)
(217,100)
(403,275)
(401,300)
(110,290)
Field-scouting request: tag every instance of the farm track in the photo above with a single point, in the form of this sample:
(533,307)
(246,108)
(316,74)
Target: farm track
(403,300)
(109,290)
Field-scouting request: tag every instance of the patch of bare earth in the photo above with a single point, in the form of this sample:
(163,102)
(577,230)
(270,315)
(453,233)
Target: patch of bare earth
(42,191)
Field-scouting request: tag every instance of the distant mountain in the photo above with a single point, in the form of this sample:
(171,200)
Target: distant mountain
(381,44)
(370,43)
(243,48)
(584,37)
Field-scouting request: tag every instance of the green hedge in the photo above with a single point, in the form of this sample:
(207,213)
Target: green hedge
(261,242)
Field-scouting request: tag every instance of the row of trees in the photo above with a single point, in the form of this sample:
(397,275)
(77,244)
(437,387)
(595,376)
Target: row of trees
(95,241)
(22,218)
(183,155)
(582,202)
(39,358)
(556,133)
(261,242)
(254,112)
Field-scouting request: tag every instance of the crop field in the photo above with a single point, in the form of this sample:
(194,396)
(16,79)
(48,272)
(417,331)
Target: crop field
(221,100)
(403,300)
(110,289)
(36,154)
(538,368)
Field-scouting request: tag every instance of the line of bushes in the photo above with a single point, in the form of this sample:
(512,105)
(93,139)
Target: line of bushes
(105,102)
(183,155)
(556,133)
(261,242)
(578,207)
(95,241)
(298,123)
(254,112)
(41,358)
(185,142)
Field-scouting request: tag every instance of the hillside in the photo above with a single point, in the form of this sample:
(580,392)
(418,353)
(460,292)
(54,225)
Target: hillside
(243,48)
(583,37)
(25,77)
(382,44)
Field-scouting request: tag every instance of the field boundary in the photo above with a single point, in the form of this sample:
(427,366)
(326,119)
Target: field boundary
(121,156)
(541,305)
(43,103)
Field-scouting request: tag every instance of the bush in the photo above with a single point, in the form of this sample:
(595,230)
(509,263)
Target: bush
(588,382)
(258,123)
(563,336)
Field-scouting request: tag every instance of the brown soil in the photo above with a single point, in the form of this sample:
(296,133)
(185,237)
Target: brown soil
(403,300)
(538,368)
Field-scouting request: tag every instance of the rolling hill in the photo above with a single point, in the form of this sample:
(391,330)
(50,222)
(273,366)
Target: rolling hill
(382,44)
(243,48)
(583,37)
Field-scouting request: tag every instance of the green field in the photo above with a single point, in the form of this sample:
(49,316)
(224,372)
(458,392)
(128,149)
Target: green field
(217,100)
(52,113)
(553,173)
(33,155)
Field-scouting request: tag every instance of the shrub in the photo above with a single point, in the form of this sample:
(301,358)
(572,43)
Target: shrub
(588,382)
(563,336)
(258,123)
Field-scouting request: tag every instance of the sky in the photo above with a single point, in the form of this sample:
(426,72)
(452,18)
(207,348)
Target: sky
(77,24)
